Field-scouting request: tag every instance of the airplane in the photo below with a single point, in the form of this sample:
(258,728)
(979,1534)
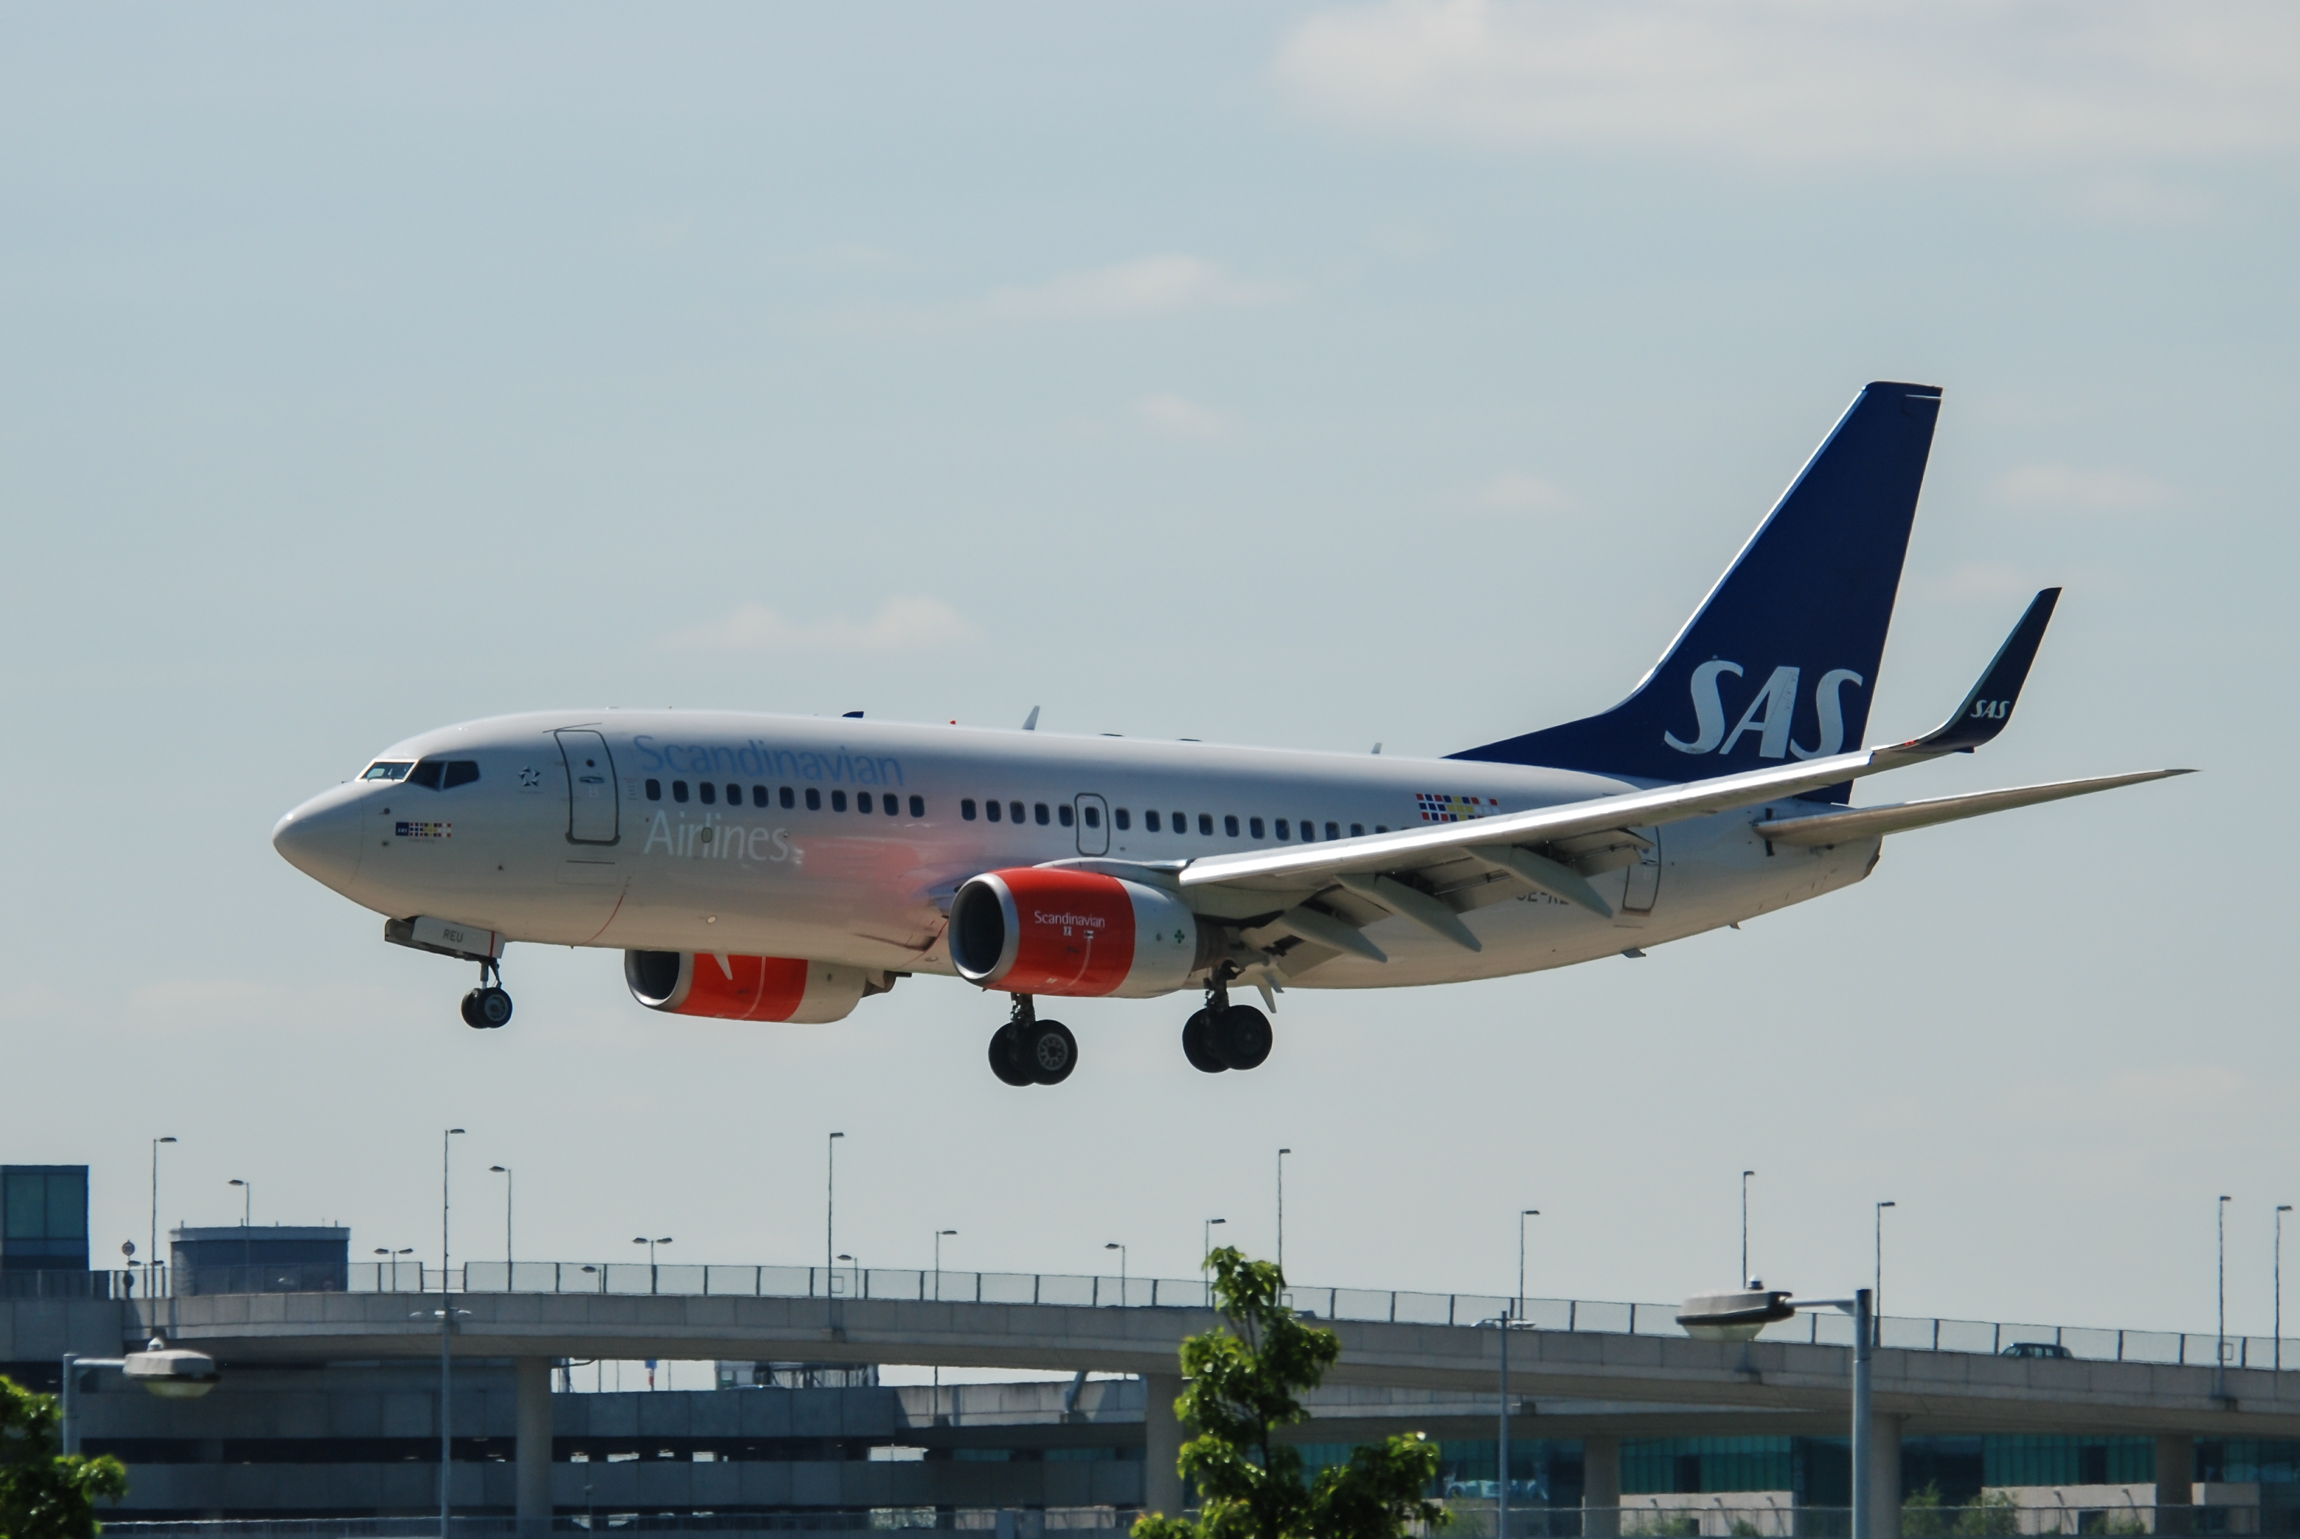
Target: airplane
(784,868)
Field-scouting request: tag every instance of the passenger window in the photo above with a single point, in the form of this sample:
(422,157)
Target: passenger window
(787,796)
(1041,811)
(1149,820)
(814,799)
(678,790)
(1124,819)
(1333,830)
(1285,829)
(1381,828)
(1230,824)
(1309,830)
(918,806)
(654,790)
(1014,810)
(759,797)
(1181,824)
(838,801)
(1254,827)
(395,769)
(862,801)
(992,809)
(1065,815)
(425,774)
(1357,830)
(1205,823)
(889,803)
(734,794)
(966,808)
(1094,817)
(710,793)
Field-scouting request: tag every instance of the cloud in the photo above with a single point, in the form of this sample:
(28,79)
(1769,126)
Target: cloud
(1805,81)
(2066,489)
(1516,492)
(1153,285)
(900,623)
(1174,416)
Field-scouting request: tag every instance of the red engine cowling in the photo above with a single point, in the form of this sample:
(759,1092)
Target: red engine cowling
(1039,930)
(736,988)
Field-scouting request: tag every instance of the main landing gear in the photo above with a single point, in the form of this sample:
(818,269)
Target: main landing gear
(1029,1051)
(1226,1036)
(487,1007)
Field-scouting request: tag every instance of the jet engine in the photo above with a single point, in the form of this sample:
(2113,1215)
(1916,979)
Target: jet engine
(1046,930)
(735,988)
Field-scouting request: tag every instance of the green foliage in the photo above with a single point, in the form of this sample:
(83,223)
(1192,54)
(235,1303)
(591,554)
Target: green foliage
(1925,1516)
(1660,1526)
(44,1492)
(1242,1390)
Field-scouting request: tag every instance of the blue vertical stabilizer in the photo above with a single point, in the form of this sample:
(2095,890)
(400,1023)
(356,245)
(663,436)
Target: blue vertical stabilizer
(1780,661)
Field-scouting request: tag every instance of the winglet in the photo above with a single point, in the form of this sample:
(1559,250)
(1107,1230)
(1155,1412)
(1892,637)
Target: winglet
(1990,705)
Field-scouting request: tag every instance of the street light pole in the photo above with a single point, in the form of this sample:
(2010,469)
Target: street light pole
(1522,1216)
(505,1172)
(247,1222)
(152,1256)
(1206,1241)
(1282,1153)
(446,1336)
(1745,1175)
(939,1236)
(1501,1453)
(2220,1356)
(1114,1245)
(1877,1297)
(2282,1208)
(1864,1448)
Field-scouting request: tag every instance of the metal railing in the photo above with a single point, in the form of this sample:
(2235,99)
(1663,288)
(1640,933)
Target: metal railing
(1006,1523)
(1601,1317)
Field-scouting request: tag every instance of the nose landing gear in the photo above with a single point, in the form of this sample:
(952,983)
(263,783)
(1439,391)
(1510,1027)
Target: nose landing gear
(1029,1051)
(487,1007)
(1226,1036)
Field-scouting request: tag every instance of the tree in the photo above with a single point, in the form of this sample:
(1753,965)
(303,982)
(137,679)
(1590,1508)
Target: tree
(46,1493)
(1242,1389)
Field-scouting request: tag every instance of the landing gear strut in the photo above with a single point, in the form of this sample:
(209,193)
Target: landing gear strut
(487,1007)
(1029,1051)
(1223,1035)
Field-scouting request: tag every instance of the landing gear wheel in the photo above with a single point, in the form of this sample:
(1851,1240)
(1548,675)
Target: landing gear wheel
(471,1011)
(487,1008)
(1242,1036)
(1003,1045)
(1198,1043)
(1050,1052)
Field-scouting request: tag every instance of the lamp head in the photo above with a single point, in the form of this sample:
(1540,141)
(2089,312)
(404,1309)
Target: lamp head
(163,1140)
(236,1181)
(501,1170)
(454,1130)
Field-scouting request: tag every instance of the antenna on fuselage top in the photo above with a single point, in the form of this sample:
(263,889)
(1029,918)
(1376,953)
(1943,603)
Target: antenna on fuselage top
(1030,722)
(1377,748)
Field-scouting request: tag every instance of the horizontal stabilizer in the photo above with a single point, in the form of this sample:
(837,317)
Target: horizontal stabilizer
(1875,822)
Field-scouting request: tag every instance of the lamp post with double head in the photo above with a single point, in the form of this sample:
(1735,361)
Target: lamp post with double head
(640,1239)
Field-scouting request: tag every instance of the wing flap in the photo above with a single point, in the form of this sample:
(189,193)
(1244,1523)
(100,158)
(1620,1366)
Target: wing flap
(1875,822)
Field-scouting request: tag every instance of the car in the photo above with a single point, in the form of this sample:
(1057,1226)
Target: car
(2036,1349)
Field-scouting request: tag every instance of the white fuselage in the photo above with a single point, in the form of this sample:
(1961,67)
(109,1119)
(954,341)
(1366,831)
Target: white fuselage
(546,846)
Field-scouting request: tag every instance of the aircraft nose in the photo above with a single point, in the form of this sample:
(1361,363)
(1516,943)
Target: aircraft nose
(321,839)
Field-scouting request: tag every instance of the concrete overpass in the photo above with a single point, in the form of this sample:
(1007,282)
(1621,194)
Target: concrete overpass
(1594,1383)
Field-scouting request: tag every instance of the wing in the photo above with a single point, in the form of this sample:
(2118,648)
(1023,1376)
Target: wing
(1432,875)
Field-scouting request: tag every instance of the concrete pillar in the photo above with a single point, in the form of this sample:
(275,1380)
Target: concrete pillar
(533,1450)
(1161,1444)
(1601,1487)
(2175,1489)
(1885,1474)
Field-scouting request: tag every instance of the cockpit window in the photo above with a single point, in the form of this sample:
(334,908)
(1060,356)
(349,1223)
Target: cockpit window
(443,774)
(387,769)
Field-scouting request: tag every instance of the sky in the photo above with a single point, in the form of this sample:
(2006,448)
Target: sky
(1294,374)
